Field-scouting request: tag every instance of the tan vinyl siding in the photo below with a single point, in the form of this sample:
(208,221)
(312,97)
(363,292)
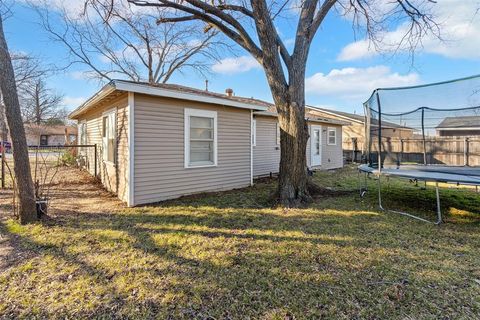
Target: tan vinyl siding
(332,155)
(266,153)
(159,150)
(113,177)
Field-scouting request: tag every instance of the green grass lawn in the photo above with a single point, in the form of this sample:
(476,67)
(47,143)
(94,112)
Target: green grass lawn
(231,256)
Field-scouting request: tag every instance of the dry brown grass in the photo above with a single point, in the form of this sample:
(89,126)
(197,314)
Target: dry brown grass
(230,256)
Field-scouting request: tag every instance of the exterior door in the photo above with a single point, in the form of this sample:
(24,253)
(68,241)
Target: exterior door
(316,146)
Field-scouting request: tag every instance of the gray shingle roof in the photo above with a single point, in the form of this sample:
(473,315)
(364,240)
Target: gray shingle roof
(460,122)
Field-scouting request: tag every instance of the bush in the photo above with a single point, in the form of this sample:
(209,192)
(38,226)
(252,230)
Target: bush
(67,159)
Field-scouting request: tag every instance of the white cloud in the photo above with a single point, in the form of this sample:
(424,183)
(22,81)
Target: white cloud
(356,83)
(236,65)
(459,25)
(73,102)
(356,50)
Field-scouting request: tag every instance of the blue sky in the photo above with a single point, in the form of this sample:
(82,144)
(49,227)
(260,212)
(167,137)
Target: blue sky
(341,71)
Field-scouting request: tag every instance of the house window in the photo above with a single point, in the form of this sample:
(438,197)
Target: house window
(332,136)
(278,133)
(43,140)
(109,136)
(82,132)
(200,138)
(254,133)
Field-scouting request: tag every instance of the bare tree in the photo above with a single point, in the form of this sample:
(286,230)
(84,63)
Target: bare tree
(24,182)
(118,42)
(39,103)
(251,25)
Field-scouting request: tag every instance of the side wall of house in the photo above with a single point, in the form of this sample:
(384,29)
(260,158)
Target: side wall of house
(266,152)
(332,155)
(159,169)
(113,176)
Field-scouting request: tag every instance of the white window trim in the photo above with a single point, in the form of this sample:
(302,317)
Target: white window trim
(277,134)
(254,132)
(330,129)
(199,113)
(82,132)
(104,114)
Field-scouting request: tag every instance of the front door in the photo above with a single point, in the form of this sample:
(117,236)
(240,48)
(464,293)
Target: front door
(315,146)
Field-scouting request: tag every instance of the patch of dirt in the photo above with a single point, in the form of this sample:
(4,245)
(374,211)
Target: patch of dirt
(72,192)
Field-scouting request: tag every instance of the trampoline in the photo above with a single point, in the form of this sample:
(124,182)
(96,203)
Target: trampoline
(415,133)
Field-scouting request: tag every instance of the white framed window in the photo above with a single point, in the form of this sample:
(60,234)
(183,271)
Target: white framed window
(278,134)
(254,132)
(109,133)
(332,136)
(82,133)
(200,138)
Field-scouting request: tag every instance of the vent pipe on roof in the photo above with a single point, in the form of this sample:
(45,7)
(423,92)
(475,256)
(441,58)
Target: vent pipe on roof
(229,92)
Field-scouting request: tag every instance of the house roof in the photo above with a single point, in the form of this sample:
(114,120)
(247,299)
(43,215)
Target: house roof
(308,116)
(44,129)
(459,123)
(358,118)
(169,91)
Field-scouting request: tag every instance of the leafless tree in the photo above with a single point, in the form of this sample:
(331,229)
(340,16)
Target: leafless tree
(24,182)
(118,42)
(39,103)
(252,25)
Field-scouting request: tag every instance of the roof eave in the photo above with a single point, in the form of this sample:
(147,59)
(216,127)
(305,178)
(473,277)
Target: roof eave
(162,92)
(105,91)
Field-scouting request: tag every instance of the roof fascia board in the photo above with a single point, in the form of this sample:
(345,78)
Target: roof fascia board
(334,114)
(143,89)
(458,128)
(105,91)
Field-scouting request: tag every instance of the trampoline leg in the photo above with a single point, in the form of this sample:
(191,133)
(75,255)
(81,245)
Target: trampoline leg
(439,214)
(439,211)
(380,194)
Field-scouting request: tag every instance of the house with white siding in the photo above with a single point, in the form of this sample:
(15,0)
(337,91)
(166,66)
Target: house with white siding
(160,142)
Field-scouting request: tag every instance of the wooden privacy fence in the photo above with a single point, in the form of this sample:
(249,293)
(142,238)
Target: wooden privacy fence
(457,151)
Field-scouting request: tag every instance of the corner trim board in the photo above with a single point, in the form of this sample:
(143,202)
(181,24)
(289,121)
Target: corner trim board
(131,149)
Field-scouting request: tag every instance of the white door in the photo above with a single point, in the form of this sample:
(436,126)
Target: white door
(316,146)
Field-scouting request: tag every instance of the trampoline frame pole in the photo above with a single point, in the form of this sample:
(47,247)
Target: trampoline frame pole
(423,138)
(437,193)
(379,132)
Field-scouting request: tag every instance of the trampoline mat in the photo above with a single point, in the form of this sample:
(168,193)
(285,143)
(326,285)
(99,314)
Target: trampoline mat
(448,174)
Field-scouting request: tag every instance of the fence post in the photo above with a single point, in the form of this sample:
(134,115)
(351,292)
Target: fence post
(465,151)
(95,159)
(3,164)
(354,149)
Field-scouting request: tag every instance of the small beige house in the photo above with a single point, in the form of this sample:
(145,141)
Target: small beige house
(324,147)
(159,142)
(49,135)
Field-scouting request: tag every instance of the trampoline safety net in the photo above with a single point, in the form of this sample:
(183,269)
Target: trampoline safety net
(433,124)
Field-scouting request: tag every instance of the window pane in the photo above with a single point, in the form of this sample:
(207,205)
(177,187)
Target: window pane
(201,146)
(111,150)
(316,137)
(201,157)
(104,126)
(201,133)
(201,151)
(201,122)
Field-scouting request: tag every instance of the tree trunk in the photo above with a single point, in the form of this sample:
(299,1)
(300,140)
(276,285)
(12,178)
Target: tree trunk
(293,177)
(27,207)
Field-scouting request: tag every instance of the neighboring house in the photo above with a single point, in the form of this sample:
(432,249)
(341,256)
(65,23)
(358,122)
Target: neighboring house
(324,148)
(459,126)
(49,135)
(160,142)
(354,134)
